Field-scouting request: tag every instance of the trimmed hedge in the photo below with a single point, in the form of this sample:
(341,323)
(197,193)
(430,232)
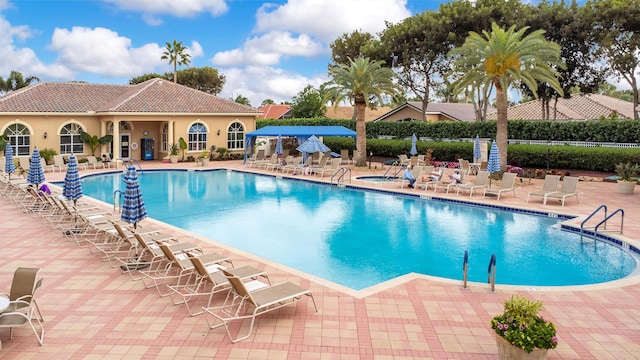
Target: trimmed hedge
(622,131)
(526,156)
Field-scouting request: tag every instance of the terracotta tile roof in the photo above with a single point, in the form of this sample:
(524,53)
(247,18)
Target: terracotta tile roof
(578,107)
(451,111)
(152,96)
(274,111)
(346,112)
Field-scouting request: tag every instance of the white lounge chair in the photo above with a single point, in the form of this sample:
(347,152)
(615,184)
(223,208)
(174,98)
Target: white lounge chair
(479,183)
(550,185)
(568,189)
(507,184)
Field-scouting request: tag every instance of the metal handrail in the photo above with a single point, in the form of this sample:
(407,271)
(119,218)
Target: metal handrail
(604,222)
(131,161)
(115,193)
(492,273)
(395,174)
(342,172)
(465,269)
(590,216)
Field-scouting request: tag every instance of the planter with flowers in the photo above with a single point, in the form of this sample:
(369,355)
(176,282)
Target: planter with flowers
(521,333)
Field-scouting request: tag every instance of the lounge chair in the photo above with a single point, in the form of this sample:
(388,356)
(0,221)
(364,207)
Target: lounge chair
(432,182)
(335,163)
(178,270)
(344,157)
(416,171)
(550,185)
(464,166)
(22,312)
(58,162)
(568,189)
(403,160)
(479,183)
(22,293)
(93,161)
(507,184)
(263,300)
(292,165)
(46,167)
(209,280)
(447,183)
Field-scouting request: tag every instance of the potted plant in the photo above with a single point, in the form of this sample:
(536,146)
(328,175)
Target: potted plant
(174,149)
(521,333)
(627,173)
(204,158)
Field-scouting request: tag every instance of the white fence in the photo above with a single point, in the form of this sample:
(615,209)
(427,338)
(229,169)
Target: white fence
(539,142)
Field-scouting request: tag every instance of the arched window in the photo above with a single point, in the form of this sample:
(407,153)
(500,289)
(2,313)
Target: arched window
(70,140)
(164,141)
(124,125)
(197,137)
(235,136)
(20,138)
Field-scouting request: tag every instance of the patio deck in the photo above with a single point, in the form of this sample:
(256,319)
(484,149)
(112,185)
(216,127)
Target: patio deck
(93,311)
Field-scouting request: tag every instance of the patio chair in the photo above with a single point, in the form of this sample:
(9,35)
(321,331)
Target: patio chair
(403,160)
(93,162)
(550,185)
(178,269)
(22,294)
(335,164)
(209,280)
(292,165)
(568,189)
(464,166)
(46,167)
(480,182)
(14,319)
(447,183)
(432,182)
(424,176)
(416,171)
(58,162)
(507,184)
(263,300)
(344,157)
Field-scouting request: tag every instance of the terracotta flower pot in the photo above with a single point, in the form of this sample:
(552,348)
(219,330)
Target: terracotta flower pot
(506,351)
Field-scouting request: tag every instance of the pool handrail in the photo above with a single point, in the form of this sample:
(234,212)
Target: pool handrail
(601,207)
(465,269)
(492,273)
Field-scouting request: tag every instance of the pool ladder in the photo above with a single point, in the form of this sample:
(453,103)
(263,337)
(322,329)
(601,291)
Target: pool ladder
(491,272)
(602,223)
(394,173)
(117,200)
(341,173)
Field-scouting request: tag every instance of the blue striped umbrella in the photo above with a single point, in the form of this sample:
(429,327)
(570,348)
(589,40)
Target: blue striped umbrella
(72,187)
(312,145)
(477,153)
(36,174)
(493,165)
(133,209)
(279,146)
(9,166)
(414,150)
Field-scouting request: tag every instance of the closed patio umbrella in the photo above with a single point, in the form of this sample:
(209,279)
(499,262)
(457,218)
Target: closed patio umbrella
(72,188)
(493,165)
(279,145)
(133,209)
(477,153)
(414,150)
(36,173)
(312,145)
(9,166)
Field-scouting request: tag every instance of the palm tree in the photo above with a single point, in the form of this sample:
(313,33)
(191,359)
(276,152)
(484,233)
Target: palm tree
(176,54)
(361,81)
(16,81)
(503,58)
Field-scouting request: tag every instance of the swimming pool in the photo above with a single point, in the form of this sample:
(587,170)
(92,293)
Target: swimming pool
(361,238)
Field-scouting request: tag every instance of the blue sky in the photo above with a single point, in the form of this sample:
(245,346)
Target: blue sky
(265,49)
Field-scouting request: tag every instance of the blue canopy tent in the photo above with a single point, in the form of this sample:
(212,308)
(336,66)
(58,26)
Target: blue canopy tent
(300,132)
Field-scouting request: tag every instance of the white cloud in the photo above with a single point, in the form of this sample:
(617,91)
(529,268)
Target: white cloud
(103,52)
(327,20)
(20,59)
(195,50)
(181,8)
(258,83)
(268,49)
(151,20)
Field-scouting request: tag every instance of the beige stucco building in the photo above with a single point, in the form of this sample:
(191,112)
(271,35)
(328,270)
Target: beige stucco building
(50,115)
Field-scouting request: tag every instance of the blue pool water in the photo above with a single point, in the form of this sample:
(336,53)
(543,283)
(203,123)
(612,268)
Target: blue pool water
(361,238)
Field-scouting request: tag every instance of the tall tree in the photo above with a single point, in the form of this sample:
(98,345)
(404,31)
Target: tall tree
(16,81)
(307,104)
(570,26)
(616,30)
(360,82)
(176,54)
(242,100)
(504,58)
(349,46)
(205,79)
(417,49)
(266,102)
